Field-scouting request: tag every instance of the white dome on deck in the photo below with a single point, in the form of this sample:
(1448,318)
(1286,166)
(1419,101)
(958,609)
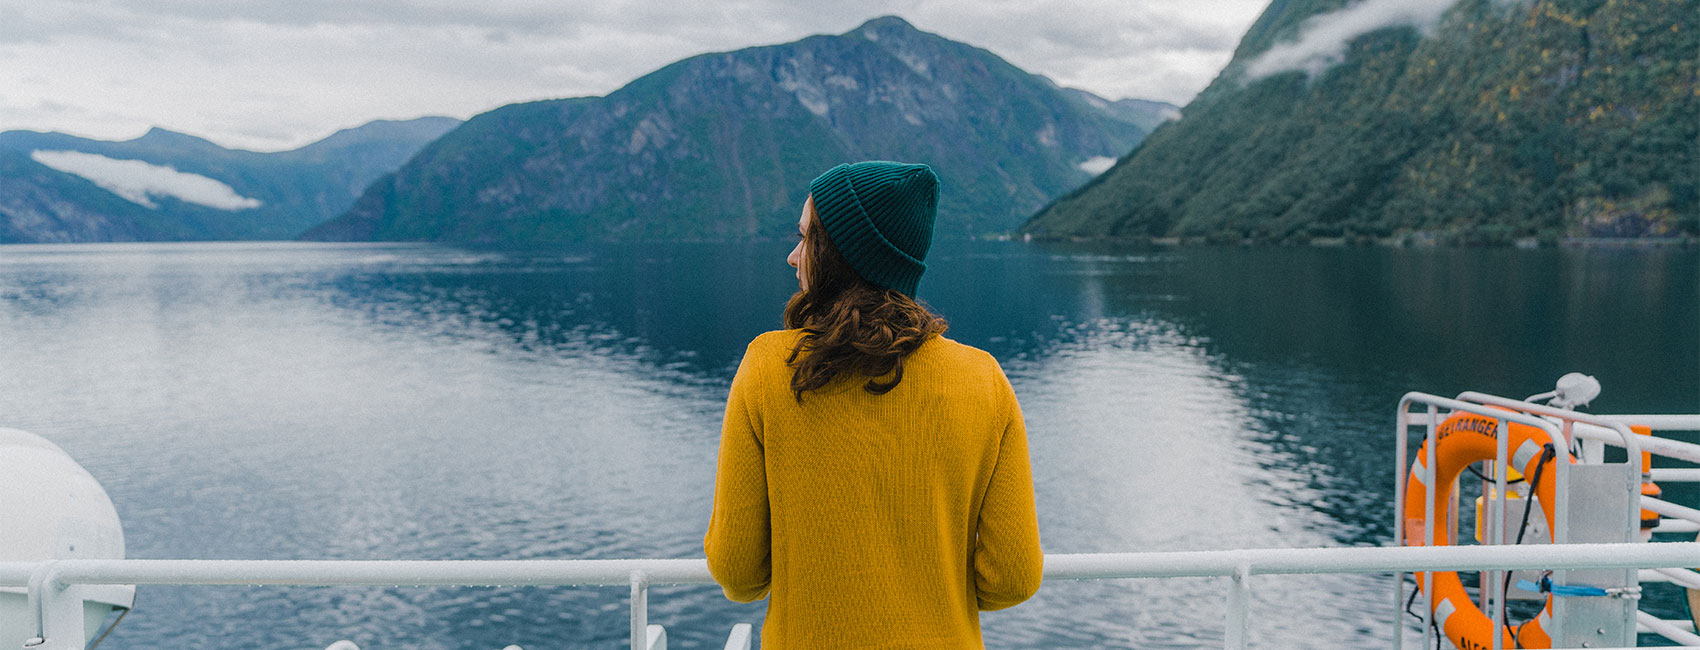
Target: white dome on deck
(53,509)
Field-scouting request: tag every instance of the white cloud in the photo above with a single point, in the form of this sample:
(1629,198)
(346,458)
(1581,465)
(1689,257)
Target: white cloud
(1097,165)
(1322,41)
(1166,50)
(136,180)
(277,75)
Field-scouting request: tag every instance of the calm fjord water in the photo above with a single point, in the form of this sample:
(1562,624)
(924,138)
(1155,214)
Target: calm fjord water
(289,401)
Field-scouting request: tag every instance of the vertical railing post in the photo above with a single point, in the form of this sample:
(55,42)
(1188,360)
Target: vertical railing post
(1495,589)
(640,610)
(1401,428)
(58,610)
(1430,439)
(1239,606)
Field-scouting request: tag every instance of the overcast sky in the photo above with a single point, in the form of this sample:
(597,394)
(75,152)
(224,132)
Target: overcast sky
(276,74)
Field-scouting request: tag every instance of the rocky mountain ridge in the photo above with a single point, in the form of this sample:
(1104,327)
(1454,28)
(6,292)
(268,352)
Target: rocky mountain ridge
(723,145)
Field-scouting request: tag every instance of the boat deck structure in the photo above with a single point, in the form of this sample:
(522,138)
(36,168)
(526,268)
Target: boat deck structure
(59,592)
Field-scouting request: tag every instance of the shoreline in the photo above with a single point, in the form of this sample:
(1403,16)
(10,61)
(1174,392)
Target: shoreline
(1407,241)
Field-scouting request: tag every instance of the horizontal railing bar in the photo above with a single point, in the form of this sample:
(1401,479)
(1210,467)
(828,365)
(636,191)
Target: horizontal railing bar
(1619,433)
(1669,509)
(16,574)
(1659,421)
(1371,560)
(1677,526)
(1079,566)
(1685,577)
(1650,575)
(1676,474)
(1658,446)
(419,573)
(1482,409)
(1667,630)
(1686,626)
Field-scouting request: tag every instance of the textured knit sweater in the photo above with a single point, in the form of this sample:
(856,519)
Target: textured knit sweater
(874,521)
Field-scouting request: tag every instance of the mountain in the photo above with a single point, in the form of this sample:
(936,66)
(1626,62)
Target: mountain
(41,204)
(724,145)
(1145,113)
(171,186)
(1500,120)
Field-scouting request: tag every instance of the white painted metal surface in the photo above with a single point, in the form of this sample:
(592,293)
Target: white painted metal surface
(57,585)
(65,575)
(1431,419)
(1667,630)
(1685,577)
(740,637)
(1676,474)
(655,638)
(1589,434)
(1660,421)
(345,644)
(53,509)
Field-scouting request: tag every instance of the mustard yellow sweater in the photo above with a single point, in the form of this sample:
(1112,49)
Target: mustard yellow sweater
(874,521)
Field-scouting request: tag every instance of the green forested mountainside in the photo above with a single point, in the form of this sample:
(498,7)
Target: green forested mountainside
(1543,118)
(296,189)
(723,146)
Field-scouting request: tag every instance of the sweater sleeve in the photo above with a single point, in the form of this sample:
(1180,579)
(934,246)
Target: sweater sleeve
(737,543)
(1008,563)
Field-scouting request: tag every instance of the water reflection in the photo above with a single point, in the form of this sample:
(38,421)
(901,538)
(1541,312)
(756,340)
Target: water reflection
(1148,444)
(413,401)
(392,402)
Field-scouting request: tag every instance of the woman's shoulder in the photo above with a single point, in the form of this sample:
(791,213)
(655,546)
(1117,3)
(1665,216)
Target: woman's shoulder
(775,340)
(963,367)
(958,354)
(771,348)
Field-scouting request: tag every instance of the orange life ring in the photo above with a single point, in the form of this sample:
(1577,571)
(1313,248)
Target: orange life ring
(1466,438)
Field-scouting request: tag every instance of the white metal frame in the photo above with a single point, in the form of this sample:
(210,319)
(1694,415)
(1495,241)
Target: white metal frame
(1591,433)
(55,585)
(1494,599)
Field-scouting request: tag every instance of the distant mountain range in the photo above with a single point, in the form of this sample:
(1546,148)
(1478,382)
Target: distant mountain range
(1497,121)
(171,186)
(723,146)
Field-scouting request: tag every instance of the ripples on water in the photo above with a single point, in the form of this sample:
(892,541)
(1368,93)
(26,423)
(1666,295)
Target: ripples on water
(285,401)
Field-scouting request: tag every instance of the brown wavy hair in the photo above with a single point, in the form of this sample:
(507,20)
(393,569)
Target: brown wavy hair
(850,326)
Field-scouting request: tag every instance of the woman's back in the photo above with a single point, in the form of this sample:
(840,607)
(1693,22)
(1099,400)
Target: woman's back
(873,479)
(892,519)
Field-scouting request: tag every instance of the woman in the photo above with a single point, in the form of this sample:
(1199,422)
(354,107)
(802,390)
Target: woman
(873,479)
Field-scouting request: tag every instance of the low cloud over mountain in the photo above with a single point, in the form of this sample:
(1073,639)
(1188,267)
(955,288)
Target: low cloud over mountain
(1322,43)
(136,180)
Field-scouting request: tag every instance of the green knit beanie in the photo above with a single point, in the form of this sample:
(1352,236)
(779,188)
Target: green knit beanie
(880,216)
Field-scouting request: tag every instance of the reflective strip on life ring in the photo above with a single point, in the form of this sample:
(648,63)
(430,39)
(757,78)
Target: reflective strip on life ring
(1443,612)
(1466,438)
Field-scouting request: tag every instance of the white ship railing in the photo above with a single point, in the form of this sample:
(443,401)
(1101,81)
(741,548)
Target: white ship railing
(55,587)
(1587,435)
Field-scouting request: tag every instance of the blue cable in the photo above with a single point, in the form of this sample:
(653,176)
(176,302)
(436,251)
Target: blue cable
(1547,587)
